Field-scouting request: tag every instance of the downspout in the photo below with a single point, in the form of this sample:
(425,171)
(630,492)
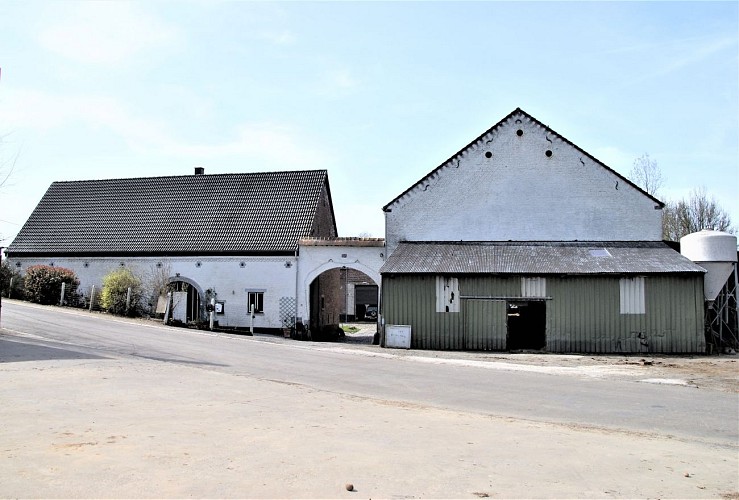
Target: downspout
(297,285)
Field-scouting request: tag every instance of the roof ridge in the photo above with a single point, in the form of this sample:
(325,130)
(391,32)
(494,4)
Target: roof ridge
(535,242)
(190,176)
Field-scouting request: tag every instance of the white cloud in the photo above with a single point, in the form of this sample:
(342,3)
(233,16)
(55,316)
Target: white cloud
(266,145)
(615,158)
(102,32)
(44,111)
(337,82)
(284,37)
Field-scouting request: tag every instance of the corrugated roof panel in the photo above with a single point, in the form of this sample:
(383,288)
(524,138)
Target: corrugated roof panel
(537,258)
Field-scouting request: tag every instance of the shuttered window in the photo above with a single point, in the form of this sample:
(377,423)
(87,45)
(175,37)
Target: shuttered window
(533,287)
(447,294)
(632,295)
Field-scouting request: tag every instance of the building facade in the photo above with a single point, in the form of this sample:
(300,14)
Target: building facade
(522,240)
(229,237)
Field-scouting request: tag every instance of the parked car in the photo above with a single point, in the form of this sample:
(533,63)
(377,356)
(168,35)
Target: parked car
(370,313)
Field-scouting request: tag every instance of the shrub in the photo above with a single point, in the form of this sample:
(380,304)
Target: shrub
(43,284)
(11,282)
(115,291)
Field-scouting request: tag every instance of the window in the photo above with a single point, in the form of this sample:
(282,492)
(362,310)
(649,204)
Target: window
(533,287)
(256,302)
(632,295)
(447,294)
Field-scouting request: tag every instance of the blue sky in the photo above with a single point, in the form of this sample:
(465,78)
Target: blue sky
(377,93)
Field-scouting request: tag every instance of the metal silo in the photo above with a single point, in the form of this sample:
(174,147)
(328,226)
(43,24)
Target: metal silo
(716,252)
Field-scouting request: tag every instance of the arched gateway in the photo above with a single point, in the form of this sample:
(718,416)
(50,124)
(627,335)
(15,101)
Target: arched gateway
(323,270)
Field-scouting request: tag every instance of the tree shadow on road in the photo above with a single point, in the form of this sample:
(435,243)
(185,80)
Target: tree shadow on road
(17,350)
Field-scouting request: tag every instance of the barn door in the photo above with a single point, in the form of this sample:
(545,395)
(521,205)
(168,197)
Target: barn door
(484,325)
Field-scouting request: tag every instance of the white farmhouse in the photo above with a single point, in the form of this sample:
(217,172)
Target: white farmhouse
(231,237)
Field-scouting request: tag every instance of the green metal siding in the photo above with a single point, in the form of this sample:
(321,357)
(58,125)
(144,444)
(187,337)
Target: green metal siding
(582,315)
(484,325)
(411,300)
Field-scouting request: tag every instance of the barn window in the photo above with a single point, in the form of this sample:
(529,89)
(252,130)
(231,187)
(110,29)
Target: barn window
(447,294)
(534,287)
(632,295)
(255,302)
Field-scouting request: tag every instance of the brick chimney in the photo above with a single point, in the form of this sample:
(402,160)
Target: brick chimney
(199,170)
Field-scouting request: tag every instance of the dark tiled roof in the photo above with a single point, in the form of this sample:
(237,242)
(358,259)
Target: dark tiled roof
(193,214)
(518,112)
(601,257)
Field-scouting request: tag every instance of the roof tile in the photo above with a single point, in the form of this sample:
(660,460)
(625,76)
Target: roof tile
(223,213)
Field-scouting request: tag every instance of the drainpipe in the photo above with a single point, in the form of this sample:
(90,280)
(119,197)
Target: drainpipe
(297,288)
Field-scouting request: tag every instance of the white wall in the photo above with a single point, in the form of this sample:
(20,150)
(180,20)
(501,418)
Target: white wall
(318,258)
(521,194)
(225,275)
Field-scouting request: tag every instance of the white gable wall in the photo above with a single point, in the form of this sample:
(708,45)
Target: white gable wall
(521,194)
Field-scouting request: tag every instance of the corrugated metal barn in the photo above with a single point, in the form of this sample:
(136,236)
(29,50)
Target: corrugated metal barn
(524,241)
(560,297)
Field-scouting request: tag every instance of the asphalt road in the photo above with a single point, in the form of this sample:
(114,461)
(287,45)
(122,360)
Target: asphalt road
(689,414)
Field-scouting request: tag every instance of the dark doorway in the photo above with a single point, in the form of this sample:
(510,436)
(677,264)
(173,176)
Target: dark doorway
(365,302)
(526,325)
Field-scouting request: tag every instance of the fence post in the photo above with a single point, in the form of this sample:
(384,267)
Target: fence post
(251,319)
(92,297)
(10,289)
(166,309)
(128,300)
(61,300)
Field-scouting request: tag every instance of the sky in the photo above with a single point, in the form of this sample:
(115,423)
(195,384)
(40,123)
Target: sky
(377,93)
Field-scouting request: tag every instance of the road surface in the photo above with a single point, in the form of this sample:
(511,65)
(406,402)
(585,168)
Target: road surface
(316,416)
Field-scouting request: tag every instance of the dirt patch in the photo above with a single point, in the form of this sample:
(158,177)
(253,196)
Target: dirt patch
(715,372)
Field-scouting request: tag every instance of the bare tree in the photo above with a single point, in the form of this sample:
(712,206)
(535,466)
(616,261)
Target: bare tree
(7,165)
(646,174)
(690,215)
(156,281)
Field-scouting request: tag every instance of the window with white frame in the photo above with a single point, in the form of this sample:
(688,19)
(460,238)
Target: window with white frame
(255,302)
(447,294)
(632,295)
